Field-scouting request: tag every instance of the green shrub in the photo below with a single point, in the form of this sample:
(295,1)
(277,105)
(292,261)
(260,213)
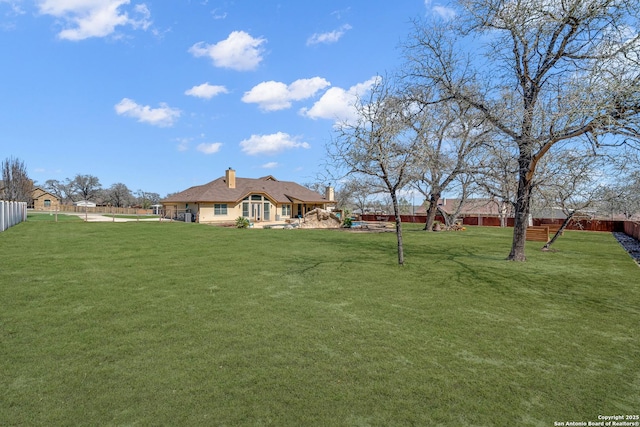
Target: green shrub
(242,222)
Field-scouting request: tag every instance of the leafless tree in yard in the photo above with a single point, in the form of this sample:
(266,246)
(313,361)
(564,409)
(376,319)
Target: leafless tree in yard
(58,189)
(464,184)
(376,147)
(359,191)
(146,198)
(571,185)
(621,195)
(447,135)
(546,72)
(497,177)
(16,185)
(83,187)
(119,195)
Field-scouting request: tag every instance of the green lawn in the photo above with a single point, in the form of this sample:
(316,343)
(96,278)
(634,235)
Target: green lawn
(186,324)
(51,217)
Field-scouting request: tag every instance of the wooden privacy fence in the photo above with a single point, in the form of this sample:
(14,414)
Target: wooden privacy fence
(585,224)
(632,229)
(12,213)
(105,210)
(494,221)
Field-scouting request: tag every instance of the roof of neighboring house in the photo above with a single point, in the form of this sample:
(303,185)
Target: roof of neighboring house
(218,191)
(470,207)
(41,193)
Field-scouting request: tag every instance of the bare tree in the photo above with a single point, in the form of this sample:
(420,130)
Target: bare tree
(358,190)
(447,134)
(550,72)
(570,184)
(58,189)
(465,184)
(83,187)
(622,196)
(376,146)
(16,185)
(146,199)
(317,186)
(119,195)
(497,177)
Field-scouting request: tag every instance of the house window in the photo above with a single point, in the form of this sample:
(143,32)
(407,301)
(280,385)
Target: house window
(47,203)
(245,209)
(267,212)
(286,210)
(220,209)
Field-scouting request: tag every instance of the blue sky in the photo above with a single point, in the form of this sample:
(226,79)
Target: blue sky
(163,95)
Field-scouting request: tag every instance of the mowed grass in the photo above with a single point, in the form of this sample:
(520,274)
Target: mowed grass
(186,324)
(51,216)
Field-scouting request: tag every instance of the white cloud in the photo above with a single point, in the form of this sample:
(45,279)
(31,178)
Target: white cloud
(209,148)
(183,144)
(94,18)
(206,91)
(338,13)
(337,103)
(239,51)
(330,37)
(14,6)
(446,13)
(218,15)
(270,165)
(271,144)
(163,116)
(272,96)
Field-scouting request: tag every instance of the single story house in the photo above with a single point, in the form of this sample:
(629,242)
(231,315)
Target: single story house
(42,200)
(259,199)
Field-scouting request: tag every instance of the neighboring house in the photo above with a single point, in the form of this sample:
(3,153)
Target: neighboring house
(260,199)
(481,207)
(44,201)
(472,207)
(41,200)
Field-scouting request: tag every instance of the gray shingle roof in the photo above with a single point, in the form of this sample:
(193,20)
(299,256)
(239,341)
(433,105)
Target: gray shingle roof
(217,191)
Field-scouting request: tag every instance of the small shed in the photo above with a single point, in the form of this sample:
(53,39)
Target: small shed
(84,204)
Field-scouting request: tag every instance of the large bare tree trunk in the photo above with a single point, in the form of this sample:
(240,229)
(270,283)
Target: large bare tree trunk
(523,207)
(431,211)
(396,213)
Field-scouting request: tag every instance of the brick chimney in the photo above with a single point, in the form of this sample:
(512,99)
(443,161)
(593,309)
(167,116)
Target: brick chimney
(231,178)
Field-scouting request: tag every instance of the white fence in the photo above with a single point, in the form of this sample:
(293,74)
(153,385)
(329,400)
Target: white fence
(12,213)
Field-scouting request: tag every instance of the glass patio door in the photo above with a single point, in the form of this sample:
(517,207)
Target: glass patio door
(256,211)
